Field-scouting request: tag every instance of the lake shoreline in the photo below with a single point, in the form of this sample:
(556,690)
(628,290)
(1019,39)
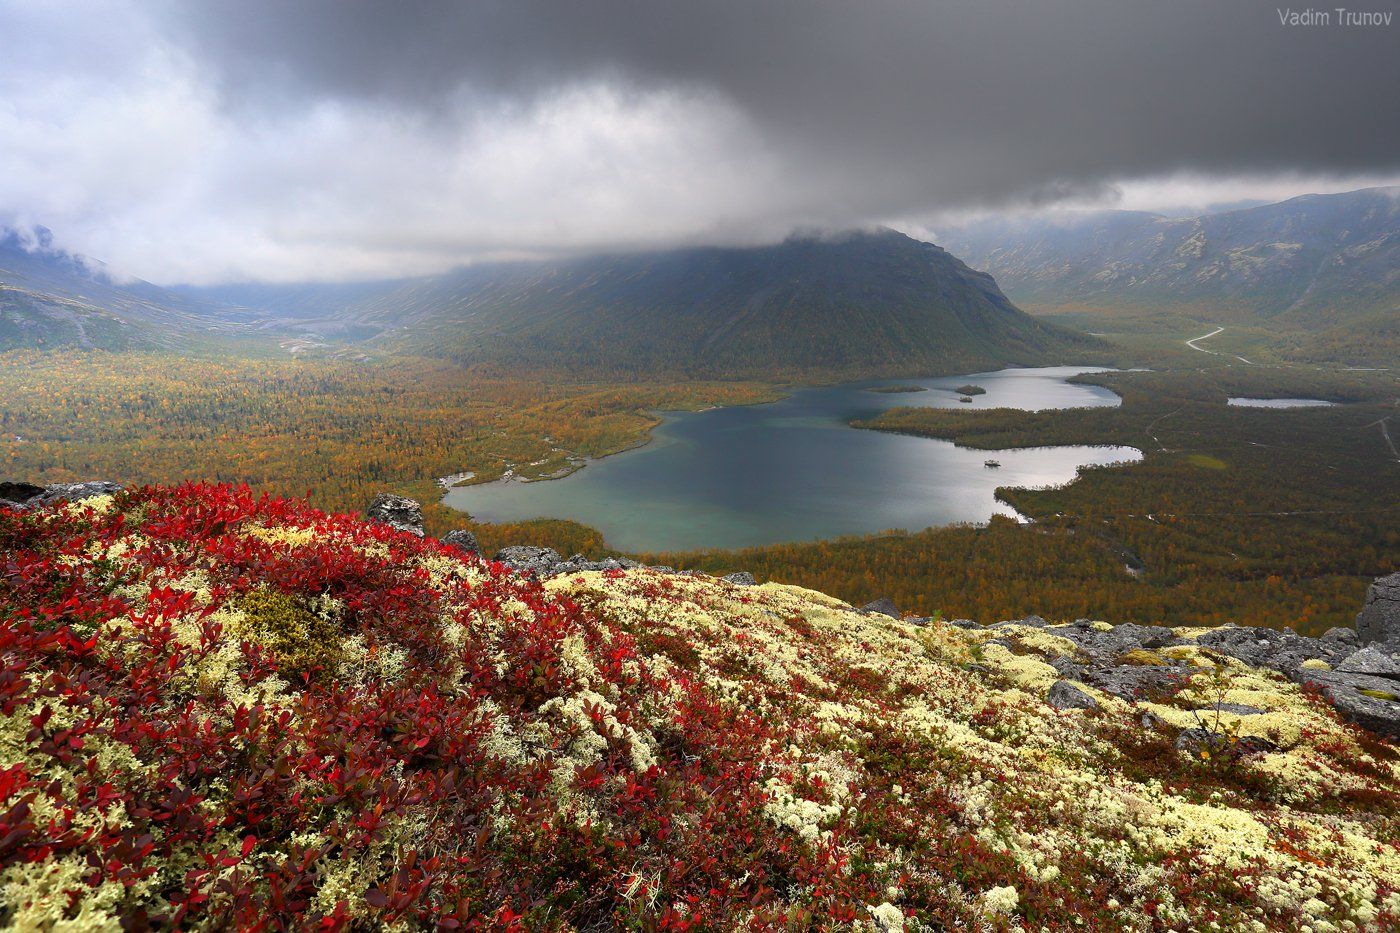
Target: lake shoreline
(792,469)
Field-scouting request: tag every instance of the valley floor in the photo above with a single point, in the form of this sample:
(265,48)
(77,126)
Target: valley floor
(1273,518)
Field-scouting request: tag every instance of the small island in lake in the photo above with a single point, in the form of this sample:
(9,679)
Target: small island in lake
(970,389)
(887,390)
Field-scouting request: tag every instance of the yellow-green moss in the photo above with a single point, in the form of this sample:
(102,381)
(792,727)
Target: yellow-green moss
(301,638)
(1141,657)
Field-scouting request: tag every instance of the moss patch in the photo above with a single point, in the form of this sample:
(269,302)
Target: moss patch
(300,640)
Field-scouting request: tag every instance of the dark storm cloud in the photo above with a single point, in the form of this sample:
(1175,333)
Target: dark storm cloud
(902,104)
(295,139)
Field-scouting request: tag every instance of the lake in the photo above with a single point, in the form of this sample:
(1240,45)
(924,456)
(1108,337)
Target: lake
(1280,403)
(794,470)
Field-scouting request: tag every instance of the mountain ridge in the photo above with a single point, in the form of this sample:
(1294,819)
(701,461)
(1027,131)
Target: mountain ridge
(860,303)
(1310,261)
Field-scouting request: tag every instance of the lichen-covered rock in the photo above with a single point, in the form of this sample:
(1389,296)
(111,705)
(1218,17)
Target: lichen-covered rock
(1105,643)
(1379,620)
(1373,660)
(1065,695)
(1341,635)
(523,558)
(75,492)
(1134,682)
(740,578)
(1282,651)
(462,540)
(16,495)
(398,512)
(1373,702)
(28,496)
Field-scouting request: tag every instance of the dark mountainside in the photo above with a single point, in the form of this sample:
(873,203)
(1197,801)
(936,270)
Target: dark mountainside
(859,304)
(1312,262)
(51,298)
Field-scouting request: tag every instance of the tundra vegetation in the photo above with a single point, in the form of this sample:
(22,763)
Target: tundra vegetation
(222,708)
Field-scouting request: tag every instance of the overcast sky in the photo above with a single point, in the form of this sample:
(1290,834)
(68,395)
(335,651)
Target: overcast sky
(294,140)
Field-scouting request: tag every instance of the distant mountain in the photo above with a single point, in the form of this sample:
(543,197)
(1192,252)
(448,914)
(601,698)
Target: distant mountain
(856,304)
(1313,262)
(852,305)
(50,298)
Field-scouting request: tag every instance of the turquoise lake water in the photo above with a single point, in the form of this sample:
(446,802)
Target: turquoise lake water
(794,470)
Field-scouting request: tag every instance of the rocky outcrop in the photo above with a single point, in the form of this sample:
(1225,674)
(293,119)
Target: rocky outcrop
(1282,651)
(1065,695)
(1374,702)
(462,540)
(16,494)
(884,606)
(1106,647)
(546,562)
(1379,620)
(740,578)
(397,512)
(28,496)
(1373,660)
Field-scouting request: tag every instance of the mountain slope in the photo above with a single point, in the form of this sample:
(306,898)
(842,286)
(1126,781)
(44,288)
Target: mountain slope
(50,298)
(229,711)
(859,304)
(1310,262)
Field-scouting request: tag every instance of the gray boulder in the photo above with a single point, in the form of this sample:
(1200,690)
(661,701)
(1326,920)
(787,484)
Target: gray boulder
(1065,695)
(884,606)
(1068,667)
(962,623)
(1132,682)
(1373,702)
(397,512)
(1105,647)
(540,561)
(1341,635)
(1379,620)
(75,492)
(17,495)
(462,540)
(29,496)
(1373,661)
(740,578)
(1282,651)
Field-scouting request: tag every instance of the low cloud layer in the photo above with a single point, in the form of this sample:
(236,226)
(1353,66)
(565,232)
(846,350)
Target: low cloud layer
(352,139)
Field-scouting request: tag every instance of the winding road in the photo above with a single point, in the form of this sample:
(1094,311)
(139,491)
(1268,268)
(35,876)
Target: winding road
(1192,344)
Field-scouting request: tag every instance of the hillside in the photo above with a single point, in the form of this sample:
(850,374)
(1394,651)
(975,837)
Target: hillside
(858,304)
(1311,263)
(224,710)
(50,298)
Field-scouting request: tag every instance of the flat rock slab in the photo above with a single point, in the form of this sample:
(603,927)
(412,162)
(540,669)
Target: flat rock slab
(1132,682)
(1373,660)
(1373,702)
